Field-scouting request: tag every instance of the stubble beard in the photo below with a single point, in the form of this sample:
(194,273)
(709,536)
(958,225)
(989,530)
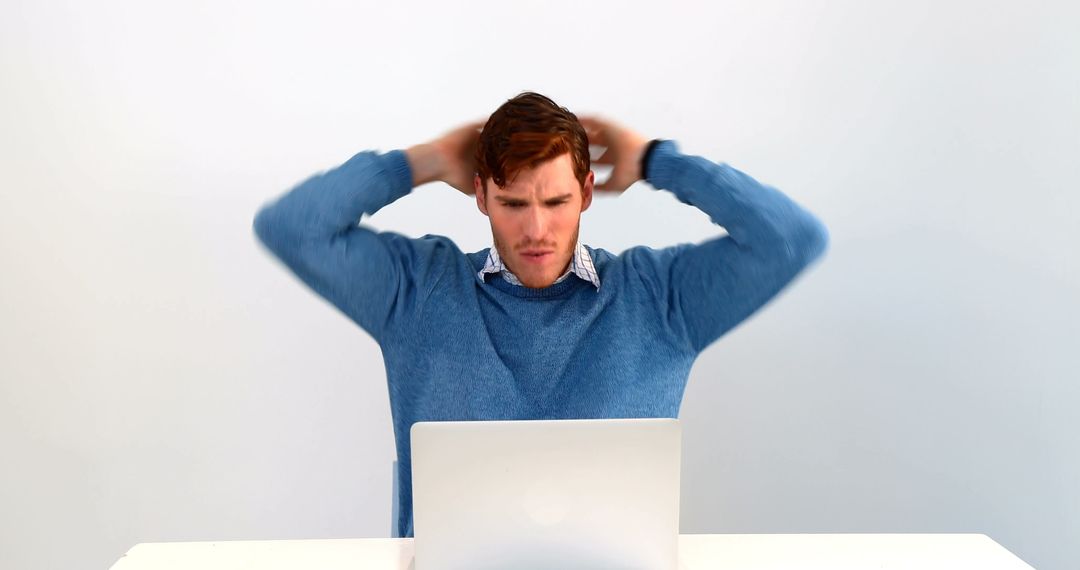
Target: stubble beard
(568,254)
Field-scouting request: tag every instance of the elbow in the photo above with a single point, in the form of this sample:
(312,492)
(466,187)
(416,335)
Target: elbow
(262,224)
(815,238)
(806,240)
(268,227)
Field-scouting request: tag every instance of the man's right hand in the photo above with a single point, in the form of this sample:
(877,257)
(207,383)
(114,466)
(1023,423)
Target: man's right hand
(449,158)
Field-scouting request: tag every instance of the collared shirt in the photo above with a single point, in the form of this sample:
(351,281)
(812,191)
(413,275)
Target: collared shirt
(581,265)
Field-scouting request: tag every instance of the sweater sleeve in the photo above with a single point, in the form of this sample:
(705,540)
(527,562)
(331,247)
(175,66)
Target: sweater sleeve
(314,230)
(711,287)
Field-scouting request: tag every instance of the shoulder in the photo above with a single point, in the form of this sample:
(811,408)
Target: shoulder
(636,259)
(478,259)
(427,244)
(638,267)
(426,256)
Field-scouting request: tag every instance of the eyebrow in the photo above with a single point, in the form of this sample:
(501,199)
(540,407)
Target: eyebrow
(509,200)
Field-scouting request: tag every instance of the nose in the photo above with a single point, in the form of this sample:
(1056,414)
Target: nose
(535,226)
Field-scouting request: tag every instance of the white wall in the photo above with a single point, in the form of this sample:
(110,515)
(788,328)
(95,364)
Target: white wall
(162,378)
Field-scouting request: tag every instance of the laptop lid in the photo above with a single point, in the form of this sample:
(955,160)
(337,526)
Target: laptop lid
(571,494)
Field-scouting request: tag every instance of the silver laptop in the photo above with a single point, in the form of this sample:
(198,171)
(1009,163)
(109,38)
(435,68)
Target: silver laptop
(543,494)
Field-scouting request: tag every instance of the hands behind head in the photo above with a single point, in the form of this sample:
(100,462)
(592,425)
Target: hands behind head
(457,150)
(623,152)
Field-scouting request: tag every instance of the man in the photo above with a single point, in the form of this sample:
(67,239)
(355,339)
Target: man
(538,326)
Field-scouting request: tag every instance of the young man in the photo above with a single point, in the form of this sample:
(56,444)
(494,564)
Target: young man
(539,326)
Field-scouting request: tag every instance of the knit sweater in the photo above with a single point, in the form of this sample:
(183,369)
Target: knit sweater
(457,347)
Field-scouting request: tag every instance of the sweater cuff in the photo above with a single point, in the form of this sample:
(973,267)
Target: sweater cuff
(396,166)
(662,166)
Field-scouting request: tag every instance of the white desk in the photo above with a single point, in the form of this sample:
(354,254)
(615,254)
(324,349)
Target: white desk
(713,551)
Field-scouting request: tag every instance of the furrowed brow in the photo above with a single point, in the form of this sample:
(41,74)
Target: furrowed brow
(562,198)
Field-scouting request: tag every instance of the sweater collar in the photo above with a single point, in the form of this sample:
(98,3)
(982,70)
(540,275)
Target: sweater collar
(581,265)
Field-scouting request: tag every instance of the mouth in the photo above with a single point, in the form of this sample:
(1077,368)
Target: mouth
(536,255)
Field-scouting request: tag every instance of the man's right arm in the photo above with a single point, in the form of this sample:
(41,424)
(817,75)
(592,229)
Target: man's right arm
(314,228)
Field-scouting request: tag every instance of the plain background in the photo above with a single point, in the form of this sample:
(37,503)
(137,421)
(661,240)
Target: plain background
(165,379)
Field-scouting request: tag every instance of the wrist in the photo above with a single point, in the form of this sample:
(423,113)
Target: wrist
(646,155)
(426,163)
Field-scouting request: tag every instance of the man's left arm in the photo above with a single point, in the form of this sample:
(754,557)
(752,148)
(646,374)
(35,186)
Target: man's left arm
(708,288)
(713,286)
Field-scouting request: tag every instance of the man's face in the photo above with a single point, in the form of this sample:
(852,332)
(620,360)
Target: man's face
(535,218)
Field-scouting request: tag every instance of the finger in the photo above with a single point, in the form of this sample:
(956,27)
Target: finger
(593,121)
(606,157)
(595,130)
(596,137)
(607,185)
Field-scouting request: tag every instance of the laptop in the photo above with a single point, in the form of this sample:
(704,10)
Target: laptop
(543,494)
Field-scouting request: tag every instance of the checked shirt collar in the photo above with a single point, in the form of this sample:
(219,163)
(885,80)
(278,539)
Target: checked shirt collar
(581,265)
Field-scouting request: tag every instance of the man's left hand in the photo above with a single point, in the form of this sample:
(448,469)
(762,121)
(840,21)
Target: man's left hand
(624,150)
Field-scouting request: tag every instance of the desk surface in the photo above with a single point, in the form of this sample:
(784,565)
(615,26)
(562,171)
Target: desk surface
(713,551)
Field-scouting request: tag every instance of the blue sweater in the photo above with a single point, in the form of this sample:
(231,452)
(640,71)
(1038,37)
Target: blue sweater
(460,348)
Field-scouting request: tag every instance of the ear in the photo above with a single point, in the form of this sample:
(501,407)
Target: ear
(481,196)
(587,191)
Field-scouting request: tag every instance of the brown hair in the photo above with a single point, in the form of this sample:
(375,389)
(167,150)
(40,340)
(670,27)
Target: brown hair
(526,131)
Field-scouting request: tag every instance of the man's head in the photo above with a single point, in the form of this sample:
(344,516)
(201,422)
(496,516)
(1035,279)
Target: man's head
(533,181)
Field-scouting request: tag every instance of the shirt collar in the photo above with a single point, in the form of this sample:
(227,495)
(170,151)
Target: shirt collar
(581,265)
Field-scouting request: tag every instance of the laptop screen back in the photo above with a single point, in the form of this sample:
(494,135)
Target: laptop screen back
(570,494)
